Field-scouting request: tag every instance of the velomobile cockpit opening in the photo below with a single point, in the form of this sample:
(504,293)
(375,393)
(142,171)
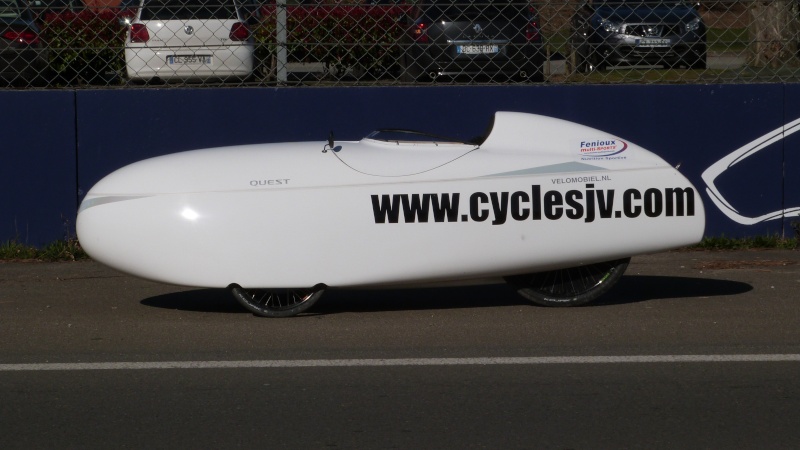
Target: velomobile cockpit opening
(400,136)
(399,152)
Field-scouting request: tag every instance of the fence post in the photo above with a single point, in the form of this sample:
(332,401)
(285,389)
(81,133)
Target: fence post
(281,41)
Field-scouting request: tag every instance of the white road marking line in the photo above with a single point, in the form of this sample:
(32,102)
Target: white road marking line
(276,364)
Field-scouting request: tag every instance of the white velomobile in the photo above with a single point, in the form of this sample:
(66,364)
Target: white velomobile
(552,207)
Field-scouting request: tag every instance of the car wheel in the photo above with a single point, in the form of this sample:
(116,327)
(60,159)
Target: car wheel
(696,58)
(277,302)
(569,287)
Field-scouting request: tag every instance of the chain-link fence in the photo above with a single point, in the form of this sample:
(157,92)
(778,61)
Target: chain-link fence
(66,43)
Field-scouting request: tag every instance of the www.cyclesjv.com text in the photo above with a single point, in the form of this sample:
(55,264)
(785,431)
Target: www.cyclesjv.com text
(588,205)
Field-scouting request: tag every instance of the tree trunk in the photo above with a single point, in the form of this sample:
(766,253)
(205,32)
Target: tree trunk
(773,33)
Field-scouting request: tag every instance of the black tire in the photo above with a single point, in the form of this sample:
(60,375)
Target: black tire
(277,302)
(569,287)
(696,58)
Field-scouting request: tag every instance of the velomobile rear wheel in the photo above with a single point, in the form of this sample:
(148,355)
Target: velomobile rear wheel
(277,302)
(572,286)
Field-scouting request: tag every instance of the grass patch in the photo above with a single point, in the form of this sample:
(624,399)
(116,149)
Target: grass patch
(642,75)
(559,42)
(64,250)
(727,39)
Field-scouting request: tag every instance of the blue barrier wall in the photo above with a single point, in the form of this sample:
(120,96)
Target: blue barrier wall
(38,173)
(691,125)
(791,167)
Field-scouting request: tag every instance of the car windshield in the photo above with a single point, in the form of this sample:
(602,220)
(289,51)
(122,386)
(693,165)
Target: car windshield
(471,10)
(9,9)
(187,9)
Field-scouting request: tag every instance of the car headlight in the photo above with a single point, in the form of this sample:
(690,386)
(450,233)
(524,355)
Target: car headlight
(693,25)
(610,26)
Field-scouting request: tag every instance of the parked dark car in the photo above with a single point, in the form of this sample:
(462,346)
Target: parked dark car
(491,38)
(23,57)
(668,33)
(41,8)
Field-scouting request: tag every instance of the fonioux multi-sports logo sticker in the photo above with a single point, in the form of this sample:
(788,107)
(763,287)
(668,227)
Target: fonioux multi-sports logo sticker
(601,149)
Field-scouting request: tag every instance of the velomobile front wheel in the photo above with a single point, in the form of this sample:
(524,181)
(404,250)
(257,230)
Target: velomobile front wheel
(569,287)
(277,302)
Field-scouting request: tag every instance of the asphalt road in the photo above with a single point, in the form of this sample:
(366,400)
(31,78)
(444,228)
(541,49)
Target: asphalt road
(689,350)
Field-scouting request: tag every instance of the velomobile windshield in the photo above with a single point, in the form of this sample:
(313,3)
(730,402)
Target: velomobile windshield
(400,136)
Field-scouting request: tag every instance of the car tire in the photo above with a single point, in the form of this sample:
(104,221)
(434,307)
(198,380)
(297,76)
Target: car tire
(696,58)
(571,286)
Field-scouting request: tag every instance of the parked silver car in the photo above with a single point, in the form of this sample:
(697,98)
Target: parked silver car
(668,33)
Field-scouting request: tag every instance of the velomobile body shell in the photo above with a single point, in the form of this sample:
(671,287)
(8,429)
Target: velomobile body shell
(537,194)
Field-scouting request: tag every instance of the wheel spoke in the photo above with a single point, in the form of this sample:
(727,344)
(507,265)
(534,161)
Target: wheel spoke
(570,286)
(277,302)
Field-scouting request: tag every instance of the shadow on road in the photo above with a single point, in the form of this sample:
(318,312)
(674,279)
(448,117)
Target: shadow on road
(630,289)
(200,300)
(639,288)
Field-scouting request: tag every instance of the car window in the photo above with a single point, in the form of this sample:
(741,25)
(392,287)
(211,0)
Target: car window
(187,9)
(9,9)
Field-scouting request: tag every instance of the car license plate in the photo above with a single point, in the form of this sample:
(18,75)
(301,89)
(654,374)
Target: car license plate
(477,49)
(193,60)
(653,43)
